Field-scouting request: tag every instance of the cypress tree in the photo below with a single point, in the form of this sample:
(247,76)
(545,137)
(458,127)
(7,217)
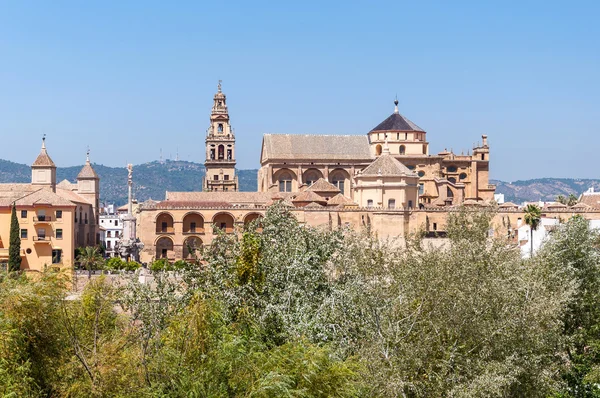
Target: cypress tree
(14,250)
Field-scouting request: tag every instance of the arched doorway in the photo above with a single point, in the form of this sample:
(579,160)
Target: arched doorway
(251,217)
(164,224)
(164,248)
(191,246)
(224,222)
(378,150)
(193,223)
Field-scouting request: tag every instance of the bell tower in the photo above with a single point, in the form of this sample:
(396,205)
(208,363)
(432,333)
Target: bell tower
(220,148)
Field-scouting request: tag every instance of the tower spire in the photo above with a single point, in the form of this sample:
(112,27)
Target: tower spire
(396,105)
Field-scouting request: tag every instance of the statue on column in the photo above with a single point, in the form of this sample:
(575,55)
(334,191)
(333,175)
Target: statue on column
(129,246)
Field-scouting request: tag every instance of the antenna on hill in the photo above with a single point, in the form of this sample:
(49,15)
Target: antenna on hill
(161,158)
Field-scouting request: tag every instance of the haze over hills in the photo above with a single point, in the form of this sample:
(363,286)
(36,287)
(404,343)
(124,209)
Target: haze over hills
(151,180)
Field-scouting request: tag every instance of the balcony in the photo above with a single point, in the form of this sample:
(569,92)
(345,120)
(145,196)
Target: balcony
(42,219)
(41,239)
(165,231)
(194,231)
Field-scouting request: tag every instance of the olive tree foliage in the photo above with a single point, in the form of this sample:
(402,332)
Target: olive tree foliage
(468,319)
(574,250)
(276,277)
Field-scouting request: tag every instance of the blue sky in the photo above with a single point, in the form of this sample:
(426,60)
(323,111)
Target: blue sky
(129,78)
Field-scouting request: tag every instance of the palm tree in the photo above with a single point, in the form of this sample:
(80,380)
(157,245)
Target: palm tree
(572,200)
(89,257)
(533,218)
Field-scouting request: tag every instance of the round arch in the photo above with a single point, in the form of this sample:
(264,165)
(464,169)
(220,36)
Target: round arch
(223,221)
(164,247)
(250,217)
(191,245)
(286,180)
(402,149)
(310,176)
(341,179)
(164,223)
(193,223)
(378,149)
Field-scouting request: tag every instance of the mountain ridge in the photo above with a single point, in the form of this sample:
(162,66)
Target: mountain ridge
(153,179)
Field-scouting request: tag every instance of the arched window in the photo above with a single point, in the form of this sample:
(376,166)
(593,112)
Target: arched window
(391,203)
(285,182)
(378,150)
(220,128)
(370,203)
(310,178)
(450,194)
(410,204)
(229,154)
(402,149)
(221,152)
(452,180)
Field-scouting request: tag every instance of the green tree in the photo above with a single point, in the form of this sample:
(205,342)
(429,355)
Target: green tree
(533,218)
(14,255)
(572,200)
(561,199)
(89,257)
(573,251)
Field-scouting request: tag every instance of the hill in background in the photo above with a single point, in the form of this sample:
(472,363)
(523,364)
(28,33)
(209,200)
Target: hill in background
(151,180)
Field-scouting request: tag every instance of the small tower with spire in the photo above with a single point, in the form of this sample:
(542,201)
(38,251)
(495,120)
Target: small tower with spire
(220,148)
(43,169)
(88,187)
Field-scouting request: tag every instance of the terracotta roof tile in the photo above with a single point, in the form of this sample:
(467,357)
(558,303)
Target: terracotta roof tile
(43,159)
(87,171)
(309,196)
(322,185)
(317,147)
(387,165)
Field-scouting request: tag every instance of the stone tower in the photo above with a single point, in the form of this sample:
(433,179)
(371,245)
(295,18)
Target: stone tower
(220,149)
(88,187)
(43,169)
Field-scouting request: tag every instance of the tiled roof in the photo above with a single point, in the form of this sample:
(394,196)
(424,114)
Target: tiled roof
(591,199)
(397,122)
(313,205)
(339,199)
(309,196)
(71,196)
(508,204)
(229,197)
(43,159)
(387,165)
(317,147)
(87,171)
(581,205)
(40,196)
(322,185)
(170,204)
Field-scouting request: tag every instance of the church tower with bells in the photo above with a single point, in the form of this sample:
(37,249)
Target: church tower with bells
(220,149)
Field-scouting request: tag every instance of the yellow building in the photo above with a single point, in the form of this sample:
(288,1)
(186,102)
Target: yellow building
(53,218)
